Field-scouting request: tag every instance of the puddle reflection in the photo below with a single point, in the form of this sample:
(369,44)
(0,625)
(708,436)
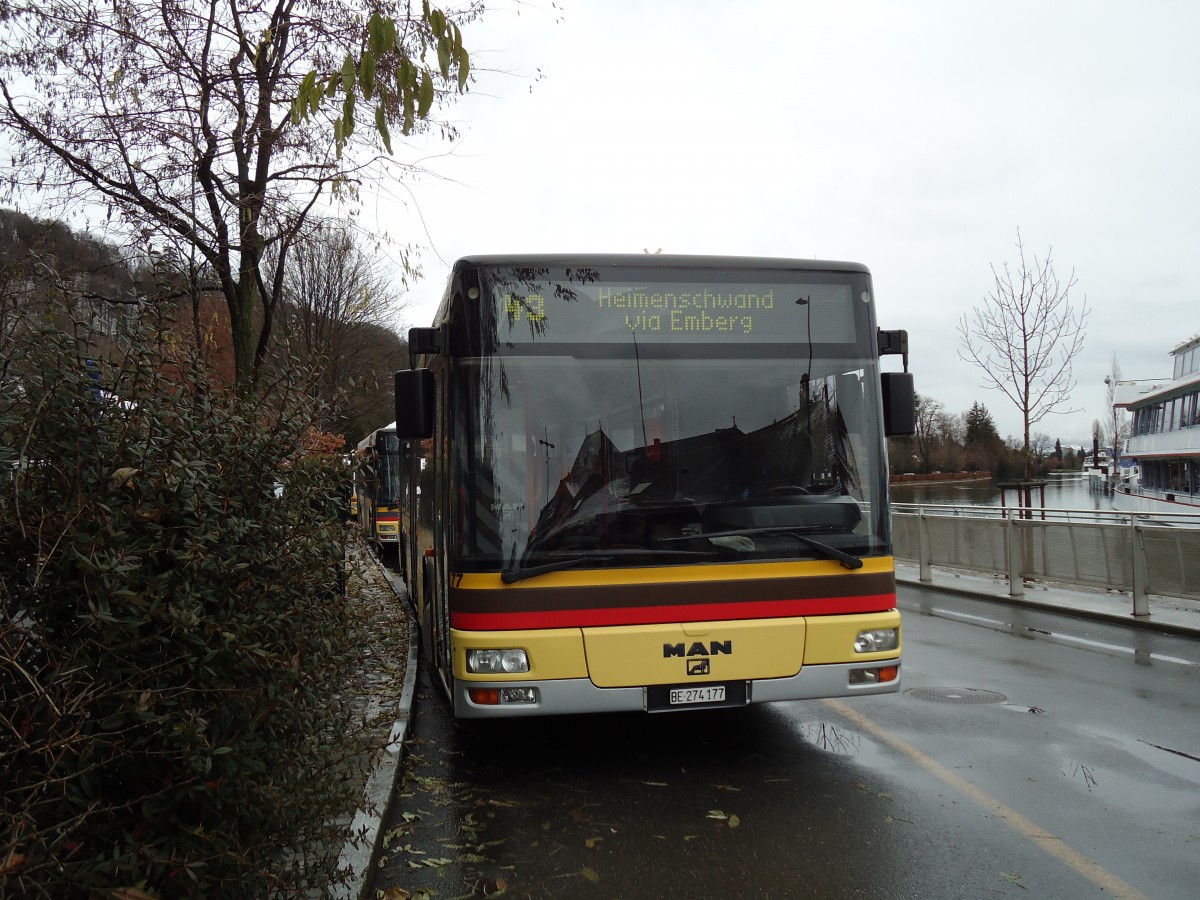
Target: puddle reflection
(831,738)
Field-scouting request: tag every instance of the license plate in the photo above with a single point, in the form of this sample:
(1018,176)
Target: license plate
(665,697)
(714,693)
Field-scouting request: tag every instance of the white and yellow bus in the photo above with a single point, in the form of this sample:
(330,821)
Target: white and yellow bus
(653,483)
(377,489)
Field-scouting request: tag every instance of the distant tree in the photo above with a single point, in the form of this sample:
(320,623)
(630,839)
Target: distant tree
(951,432)
(928,431)
(50,273)
(338,299)
(368,398)
(1058,450)
(1040,447)
(980,427)
(219,125)
(1025,337)
(982,445)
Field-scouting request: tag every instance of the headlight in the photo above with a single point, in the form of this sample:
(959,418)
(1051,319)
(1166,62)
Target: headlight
(877,639)
(495,662)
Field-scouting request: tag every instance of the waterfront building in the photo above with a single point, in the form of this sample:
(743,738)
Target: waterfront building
(1164,441)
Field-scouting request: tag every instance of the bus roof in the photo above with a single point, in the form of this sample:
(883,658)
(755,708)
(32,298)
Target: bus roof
(369,440)
(659,260)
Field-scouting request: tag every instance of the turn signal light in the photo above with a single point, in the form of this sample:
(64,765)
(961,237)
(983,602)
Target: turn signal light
(501,696)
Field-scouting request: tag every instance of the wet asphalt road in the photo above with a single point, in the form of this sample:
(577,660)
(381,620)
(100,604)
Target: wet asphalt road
(1030,755)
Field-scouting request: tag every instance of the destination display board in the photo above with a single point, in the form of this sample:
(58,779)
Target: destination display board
(750,312)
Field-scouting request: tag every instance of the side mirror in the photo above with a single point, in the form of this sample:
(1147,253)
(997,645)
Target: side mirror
(415,402)
(899,404)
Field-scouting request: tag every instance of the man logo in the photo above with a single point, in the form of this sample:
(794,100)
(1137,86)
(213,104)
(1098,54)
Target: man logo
(698,666)
(714,648)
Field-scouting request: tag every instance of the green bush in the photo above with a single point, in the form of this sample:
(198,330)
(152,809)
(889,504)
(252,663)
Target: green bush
(176,661)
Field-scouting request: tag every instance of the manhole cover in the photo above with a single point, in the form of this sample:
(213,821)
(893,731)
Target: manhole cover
(956,695)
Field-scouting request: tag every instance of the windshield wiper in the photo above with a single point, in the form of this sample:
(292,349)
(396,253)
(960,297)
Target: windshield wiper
(519,573)
(794,531)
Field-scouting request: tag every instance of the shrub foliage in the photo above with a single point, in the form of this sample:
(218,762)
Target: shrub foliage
(176,660)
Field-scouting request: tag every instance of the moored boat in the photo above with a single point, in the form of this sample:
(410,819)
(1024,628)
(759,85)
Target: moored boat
(1164,441)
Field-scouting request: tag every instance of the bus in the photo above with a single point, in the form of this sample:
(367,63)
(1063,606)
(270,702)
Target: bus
(652,482)
(378,489)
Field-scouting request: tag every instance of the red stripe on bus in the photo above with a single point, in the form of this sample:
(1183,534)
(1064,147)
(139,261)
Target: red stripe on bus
(654,615)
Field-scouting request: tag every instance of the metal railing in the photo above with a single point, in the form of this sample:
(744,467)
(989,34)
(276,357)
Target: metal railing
(1137,553)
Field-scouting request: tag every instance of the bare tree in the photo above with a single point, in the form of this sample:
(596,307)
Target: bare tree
(214,124)
(928,433)
(338,299)
(951,434)
(1025,337)
(1040,446)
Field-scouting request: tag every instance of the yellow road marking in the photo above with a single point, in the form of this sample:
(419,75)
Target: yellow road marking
(1052,844)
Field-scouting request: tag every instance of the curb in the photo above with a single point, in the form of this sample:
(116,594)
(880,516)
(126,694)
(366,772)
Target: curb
(365,843)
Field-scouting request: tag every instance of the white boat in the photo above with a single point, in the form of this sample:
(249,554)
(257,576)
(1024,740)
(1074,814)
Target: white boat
(1105,475)
(1098,468)
(1164,441)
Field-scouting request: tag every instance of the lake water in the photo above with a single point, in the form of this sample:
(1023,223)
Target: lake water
(1064,490)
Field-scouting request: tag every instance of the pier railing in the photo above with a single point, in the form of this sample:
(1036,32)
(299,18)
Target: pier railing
(1137,553)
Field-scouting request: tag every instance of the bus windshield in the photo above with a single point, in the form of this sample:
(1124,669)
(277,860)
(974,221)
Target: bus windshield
(654,461)
(387,453)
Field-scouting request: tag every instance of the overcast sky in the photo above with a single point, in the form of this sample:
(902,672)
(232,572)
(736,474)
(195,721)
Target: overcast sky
(915,137)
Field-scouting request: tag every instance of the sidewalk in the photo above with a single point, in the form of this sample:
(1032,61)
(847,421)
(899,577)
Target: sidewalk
(1170,614)
(391,666)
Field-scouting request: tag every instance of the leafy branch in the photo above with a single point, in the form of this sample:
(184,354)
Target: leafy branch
(411,90)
